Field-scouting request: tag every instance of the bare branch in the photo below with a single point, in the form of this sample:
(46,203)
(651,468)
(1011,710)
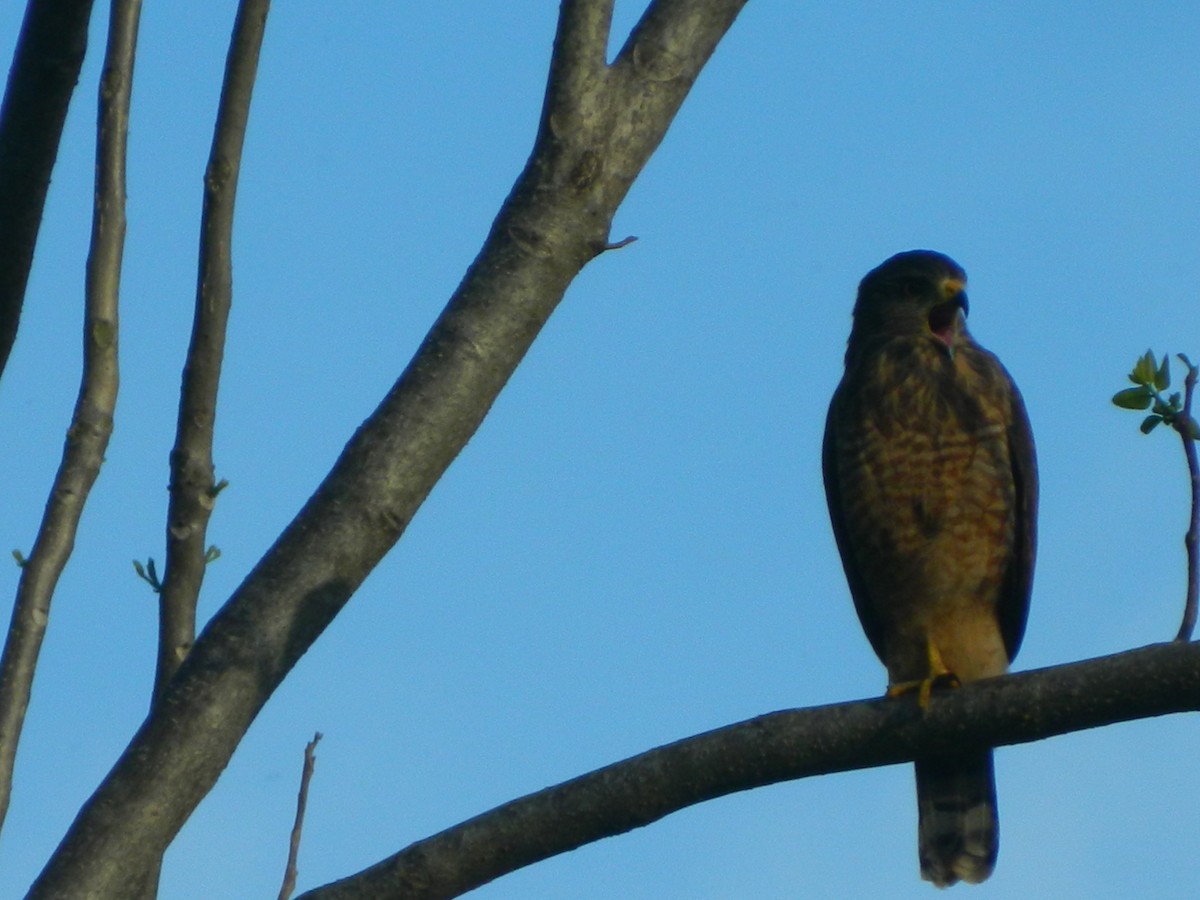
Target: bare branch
(577,64)
(557,215)
(670,45)
(193,491)
(46,65)
(1185,425)
(91,424)
(673,36)
(290,872)
(617,245)
(780,746)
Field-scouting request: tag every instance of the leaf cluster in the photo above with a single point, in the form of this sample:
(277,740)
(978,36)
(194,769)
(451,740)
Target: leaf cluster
(1152,378)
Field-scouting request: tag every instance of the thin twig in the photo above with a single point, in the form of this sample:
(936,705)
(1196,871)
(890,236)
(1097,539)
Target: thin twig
(615,245)
(45,67)
(192,489)
(1191,541)
(289,874)
(91,423)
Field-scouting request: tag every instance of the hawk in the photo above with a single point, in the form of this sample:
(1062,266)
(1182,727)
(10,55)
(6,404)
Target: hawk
(931,480)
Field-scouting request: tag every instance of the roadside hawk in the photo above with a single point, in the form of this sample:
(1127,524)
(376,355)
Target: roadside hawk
(932,487)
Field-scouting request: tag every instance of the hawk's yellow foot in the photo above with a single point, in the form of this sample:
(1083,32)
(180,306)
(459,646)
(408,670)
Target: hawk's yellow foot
(939,676)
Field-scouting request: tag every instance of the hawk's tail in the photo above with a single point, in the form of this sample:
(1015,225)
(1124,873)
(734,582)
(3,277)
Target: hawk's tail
(957,833)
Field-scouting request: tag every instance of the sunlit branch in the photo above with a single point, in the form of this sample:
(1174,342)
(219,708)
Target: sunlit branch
(555,220)
(193,490)
(777,747)
(91,424)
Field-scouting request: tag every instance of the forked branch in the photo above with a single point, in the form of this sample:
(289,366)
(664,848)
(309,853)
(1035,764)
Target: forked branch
(555,220)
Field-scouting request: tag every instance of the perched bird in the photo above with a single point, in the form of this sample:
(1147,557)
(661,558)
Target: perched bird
(931,480)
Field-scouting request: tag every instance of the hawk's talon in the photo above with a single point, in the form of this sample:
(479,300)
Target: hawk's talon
(939,676)
(924,687)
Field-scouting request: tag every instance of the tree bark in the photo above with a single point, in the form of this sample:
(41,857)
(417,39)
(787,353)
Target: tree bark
(92,420)
(193,487)
(599,126)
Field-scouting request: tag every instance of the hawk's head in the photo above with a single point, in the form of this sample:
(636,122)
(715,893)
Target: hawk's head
(913,293)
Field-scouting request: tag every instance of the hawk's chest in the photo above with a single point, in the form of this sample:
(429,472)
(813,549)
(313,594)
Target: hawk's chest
(922,447)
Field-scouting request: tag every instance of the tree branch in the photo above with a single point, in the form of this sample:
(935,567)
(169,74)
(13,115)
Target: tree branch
(1185,425)
(46,65)
(91,424)
(554,221)
(192,488)
(577,63)
(292,869)
(780,746)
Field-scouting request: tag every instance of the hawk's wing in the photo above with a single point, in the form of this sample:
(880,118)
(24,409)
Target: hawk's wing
(833,495)
(1013,606)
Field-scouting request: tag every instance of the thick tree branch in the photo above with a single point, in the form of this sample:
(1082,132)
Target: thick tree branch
(45,68)
(555,220)
(91,425)
(778,747)
(193,491)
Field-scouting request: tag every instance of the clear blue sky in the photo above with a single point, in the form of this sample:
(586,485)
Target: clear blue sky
(634,547)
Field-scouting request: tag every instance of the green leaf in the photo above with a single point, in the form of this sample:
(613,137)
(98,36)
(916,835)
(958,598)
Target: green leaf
(1134,398)
(1144,369)
(20,558)
(1189,428)
(148,574)
(1149,423)
(1162,377)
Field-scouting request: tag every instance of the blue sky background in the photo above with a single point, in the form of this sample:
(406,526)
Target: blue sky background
(634,547)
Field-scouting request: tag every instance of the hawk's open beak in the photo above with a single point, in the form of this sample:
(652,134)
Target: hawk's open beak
(944,318)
